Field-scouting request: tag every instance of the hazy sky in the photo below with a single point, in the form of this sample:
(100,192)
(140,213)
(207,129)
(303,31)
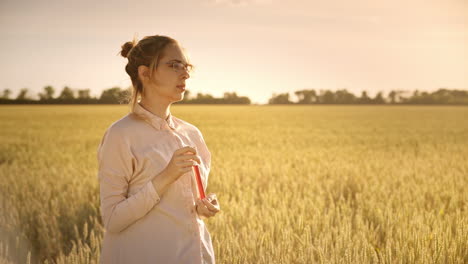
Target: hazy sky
(252,47)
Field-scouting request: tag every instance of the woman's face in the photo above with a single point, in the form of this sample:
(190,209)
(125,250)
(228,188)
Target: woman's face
(165,79)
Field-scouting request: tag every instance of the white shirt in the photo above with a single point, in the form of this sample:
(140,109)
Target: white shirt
(141,226)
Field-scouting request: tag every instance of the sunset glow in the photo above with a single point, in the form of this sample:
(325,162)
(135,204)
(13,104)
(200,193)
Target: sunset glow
(253,48)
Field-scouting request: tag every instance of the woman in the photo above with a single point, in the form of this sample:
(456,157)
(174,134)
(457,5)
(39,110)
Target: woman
(149,202)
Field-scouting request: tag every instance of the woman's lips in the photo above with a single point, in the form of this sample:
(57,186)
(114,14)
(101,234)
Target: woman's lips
(182,87)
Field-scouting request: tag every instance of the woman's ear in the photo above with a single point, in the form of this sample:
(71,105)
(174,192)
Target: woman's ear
(143,73)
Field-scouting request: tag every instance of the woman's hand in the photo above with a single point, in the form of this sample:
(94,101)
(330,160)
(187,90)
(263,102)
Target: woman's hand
(181,162)
(209,206)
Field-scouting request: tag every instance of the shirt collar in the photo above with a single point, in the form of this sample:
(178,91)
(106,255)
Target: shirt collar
(154,120)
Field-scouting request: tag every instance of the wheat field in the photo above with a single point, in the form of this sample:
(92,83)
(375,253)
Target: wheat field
(296,184)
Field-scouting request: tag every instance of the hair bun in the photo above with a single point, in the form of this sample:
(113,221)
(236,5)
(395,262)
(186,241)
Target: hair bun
(126,48)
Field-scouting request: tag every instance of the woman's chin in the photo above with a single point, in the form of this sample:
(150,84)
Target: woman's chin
(178,97)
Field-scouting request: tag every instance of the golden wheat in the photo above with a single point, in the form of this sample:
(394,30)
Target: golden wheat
(297,184)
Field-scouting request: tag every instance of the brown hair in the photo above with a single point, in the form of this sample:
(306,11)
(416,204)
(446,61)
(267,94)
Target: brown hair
(148,51)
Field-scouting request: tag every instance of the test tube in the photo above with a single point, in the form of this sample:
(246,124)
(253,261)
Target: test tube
(201,191)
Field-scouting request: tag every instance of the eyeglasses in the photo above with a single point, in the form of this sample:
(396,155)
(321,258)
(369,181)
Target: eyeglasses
(179,66)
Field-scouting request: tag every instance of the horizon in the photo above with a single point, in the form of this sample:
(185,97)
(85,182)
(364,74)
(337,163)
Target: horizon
(293,99)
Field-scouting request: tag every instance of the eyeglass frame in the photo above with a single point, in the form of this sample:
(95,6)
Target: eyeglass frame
(187,66)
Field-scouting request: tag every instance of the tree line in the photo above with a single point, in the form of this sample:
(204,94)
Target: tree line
(116,95)
(441,96)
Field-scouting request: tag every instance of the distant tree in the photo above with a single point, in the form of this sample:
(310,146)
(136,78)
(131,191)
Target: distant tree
(233,98)
(364,99)
(243,100)
(392,96)
(426,98)
(344,97)
(326,97)
(418,98)
(379,99)
(84,94)
(23,94)
(445,96)
(204,96)
(400,96)
(186,95)
(47,94)
(229,98)
(459,96)
(66,94)
(280,99)
(205,99)
(114,95)
(306,96)
(6,93)
(125,95)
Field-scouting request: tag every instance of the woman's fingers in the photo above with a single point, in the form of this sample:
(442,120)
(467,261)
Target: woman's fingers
(183,158)
(183,150)
(210,206)
(211,197)
(203,210)
(188,164)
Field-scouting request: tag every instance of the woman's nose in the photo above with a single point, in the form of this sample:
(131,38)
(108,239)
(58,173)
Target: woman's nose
(185,75)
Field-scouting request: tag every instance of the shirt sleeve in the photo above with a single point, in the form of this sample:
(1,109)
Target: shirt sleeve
(115,162)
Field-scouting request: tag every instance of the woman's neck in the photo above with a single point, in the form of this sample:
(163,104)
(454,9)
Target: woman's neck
(157,107)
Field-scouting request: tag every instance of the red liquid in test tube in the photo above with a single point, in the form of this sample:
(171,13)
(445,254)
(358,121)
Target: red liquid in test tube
(201,191)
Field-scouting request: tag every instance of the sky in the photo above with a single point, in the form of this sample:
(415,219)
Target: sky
(255,48)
